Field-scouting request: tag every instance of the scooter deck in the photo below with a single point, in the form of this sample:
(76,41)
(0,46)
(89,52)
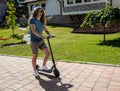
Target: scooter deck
(48,71)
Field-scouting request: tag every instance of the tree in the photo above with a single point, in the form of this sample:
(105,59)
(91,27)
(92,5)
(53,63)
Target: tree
(102,18)
(11,18)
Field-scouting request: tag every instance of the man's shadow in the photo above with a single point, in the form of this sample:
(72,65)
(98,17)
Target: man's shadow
(53,84)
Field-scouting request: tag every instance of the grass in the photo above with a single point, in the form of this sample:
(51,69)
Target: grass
(72,47)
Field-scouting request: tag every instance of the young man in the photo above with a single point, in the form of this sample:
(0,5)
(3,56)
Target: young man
(37,24)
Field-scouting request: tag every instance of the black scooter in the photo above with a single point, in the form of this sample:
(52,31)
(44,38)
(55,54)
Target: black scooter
(53,68)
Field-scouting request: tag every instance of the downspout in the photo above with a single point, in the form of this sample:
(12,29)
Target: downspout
(60,6)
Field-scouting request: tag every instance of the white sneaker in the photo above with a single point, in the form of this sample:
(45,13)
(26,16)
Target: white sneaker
(35,73)
(45,68)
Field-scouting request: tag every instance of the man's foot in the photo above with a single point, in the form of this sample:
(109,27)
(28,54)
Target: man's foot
(44,68)
(35,73)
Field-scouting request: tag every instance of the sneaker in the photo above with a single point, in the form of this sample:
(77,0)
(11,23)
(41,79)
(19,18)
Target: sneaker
(44,68)
(35,73)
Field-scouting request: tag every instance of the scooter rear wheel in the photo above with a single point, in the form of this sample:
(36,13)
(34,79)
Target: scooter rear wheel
(56,72)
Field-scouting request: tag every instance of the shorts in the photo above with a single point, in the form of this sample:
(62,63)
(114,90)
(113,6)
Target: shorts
(37,45)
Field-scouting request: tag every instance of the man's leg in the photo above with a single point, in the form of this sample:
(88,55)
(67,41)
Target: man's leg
(47,54)
(34,58)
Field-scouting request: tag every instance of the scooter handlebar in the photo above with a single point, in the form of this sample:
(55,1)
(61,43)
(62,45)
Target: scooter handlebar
(51,36)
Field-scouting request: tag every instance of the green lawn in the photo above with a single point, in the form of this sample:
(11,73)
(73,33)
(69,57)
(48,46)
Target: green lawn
(72,47)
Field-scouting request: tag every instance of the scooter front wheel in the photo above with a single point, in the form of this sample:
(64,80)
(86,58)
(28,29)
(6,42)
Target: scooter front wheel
(56,72)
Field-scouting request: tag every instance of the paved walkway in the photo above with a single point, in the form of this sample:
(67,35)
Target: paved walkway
(16,75)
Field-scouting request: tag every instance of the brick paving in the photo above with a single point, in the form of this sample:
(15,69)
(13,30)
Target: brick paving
(16,75)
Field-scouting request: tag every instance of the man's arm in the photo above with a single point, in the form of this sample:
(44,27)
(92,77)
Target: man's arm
(33,29)
(45,29)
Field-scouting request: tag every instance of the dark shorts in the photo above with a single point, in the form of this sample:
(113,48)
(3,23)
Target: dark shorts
(37,45)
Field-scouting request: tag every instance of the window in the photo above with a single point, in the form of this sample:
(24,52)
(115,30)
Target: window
(69,1)
(78,1)
(37,5)
(87,0)
(43,6)
(32,7)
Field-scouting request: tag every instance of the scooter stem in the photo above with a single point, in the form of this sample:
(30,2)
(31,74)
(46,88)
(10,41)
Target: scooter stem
(51,52)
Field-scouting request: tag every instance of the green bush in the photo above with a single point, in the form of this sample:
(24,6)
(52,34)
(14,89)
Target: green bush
(102,17)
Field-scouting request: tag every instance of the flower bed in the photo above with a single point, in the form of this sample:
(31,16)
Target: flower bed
(114,27)
(4,39)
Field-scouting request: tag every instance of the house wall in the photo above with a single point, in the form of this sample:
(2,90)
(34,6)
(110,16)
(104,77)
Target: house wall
(83,7)
(3,7)
(116,3)
(65,20)
(52,7)
(72,14)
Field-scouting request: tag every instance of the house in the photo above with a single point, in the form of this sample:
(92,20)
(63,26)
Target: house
(60,12)
(66,7)
(65,11)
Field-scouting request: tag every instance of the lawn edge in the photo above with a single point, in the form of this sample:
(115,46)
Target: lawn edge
(80,62)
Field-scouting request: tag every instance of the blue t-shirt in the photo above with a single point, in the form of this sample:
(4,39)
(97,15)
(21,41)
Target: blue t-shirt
(39,29)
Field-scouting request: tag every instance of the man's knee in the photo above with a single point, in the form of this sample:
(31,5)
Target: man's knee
(48,53)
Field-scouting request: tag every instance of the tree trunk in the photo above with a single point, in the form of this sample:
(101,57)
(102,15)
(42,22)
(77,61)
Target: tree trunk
(104,34)
(13,30)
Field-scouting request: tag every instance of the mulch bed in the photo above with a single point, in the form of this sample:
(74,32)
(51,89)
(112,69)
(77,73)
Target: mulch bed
(113,28)
(4,39)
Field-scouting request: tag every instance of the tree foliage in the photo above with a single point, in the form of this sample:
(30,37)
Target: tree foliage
(11,18)
(102,17)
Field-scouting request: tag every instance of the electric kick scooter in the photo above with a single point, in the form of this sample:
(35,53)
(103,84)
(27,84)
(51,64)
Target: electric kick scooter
(53,68)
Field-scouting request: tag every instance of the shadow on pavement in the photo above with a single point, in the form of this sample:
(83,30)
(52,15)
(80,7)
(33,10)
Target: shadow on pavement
(53,84)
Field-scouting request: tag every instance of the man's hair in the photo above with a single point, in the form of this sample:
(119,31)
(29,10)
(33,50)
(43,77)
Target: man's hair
(35,12)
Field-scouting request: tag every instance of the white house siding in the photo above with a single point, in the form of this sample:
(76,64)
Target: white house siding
(52,7)
(116,3)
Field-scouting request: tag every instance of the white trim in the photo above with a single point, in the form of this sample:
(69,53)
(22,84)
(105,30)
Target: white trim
(34,4)
(76,13)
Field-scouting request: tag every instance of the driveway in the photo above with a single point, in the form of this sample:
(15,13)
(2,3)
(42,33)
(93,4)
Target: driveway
(16,75)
